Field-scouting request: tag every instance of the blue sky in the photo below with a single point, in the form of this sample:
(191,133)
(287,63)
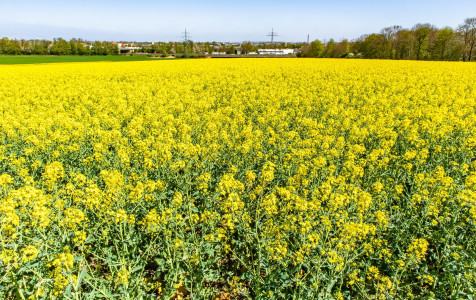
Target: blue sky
(237,20)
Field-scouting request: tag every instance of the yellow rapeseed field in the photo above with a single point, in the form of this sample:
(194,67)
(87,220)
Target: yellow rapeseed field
(238,178)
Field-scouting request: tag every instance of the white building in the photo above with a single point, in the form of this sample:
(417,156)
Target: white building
(275,51)
(127,50)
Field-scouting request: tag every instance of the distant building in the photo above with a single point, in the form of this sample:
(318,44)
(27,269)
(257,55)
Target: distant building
(275,51)
(128,50)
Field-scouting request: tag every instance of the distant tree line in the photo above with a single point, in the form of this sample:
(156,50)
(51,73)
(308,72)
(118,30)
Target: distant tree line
(331,49)
(194,48)
(172,48)
(201,48)
(421,42)
(57,47)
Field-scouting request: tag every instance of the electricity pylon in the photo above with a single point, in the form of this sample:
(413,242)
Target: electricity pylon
(186,39)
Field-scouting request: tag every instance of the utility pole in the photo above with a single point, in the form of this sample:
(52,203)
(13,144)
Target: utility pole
(308,38)
(186,38)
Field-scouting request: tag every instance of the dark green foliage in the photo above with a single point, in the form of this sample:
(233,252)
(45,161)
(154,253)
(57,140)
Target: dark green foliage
(33,59)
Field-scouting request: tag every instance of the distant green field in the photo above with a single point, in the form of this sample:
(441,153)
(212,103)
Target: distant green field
(24,59)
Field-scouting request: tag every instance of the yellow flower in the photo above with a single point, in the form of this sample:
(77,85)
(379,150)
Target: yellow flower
(29,253)
(418,248)
(6,180)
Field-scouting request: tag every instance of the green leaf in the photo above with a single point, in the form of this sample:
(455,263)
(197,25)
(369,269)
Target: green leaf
(81,276)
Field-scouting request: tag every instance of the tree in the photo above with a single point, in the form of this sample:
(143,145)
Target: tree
(230,49)
(3,45)
(371,46)
(98,49)
(208,47)
(404,44)
(329,48)
(82,49)
(441,44)
(39,48)
(60,47)
(110,48)
(186,48)
(341,49)
(421,33)
(26,47)
(247,47)
(13,47)
(390,35)
(316,49)
(455,48)
(467,32)
(74,46)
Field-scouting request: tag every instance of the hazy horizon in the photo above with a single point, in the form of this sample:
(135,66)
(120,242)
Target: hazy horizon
(219,21)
